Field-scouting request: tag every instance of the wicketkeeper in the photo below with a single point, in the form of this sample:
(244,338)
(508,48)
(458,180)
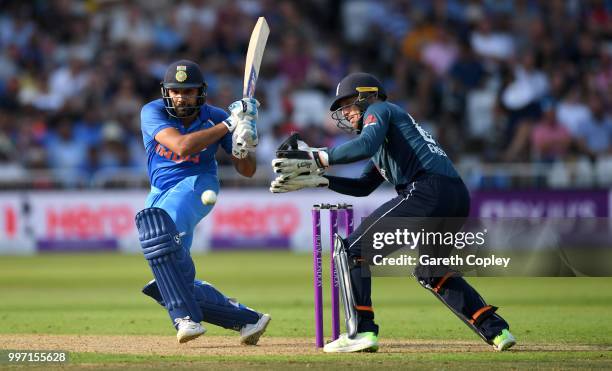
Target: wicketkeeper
(427,185)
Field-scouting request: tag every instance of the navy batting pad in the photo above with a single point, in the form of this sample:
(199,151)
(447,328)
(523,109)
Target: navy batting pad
(171,264)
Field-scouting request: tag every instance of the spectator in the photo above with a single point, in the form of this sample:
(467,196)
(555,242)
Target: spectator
(66,153)
(550,141)
(523,94)
(294,60)
(114,151)
(440,53)
(126,101)
(572,112)
(490,43)
(521,98)
(89,128)
(334,64)
(595,135)
(422,33)
(8,151)
(454,62)
(69,82)
(467,71)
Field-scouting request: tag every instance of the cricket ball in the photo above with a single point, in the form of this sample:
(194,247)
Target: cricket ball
(209,197)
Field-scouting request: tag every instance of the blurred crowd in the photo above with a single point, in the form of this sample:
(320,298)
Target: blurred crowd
(495,81)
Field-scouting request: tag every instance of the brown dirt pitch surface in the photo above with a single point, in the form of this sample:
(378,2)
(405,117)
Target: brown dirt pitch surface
(230,346)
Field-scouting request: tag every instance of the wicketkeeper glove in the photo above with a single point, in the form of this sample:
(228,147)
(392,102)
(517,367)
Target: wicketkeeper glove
(294,158)
(282,184)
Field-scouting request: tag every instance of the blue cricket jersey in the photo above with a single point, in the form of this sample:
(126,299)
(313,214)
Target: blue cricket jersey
(167,168)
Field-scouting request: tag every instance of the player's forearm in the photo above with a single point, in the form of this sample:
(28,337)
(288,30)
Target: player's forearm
(355,150)
(193,143)
(359,187)
(246,166)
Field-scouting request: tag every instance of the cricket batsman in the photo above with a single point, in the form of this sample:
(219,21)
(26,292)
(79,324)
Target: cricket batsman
(181,135)
(427,185)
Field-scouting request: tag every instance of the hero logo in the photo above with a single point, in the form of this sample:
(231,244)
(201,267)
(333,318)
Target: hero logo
(255,220)
(86,221)
(9,222)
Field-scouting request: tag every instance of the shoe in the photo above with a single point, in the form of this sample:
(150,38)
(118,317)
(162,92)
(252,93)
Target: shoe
(250,333)
(504,341)
(187,329)
(363,342)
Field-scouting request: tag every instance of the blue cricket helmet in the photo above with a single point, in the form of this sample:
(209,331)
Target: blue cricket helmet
(362,86)
(355,84)
(183,74)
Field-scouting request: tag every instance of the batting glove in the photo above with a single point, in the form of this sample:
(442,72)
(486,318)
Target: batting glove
(244,140)
(245,134)
(240,153)
(245,108)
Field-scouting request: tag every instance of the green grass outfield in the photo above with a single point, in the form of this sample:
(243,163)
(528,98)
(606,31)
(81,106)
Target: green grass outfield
(559,322)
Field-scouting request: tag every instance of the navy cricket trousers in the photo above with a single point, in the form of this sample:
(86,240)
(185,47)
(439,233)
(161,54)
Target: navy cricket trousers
(429,196)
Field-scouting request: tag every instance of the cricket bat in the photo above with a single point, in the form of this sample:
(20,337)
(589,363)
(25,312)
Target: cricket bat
(257,44)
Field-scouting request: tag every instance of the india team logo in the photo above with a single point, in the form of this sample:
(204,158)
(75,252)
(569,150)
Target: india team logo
(181,76)
(181,73)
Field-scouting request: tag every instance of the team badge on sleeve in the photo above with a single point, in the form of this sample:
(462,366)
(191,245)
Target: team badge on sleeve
(370,120)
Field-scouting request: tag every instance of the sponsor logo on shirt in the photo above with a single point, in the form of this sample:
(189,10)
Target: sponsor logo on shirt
(168,154)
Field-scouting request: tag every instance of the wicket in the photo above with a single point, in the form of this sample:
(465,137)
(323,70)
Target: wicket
(347,211)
